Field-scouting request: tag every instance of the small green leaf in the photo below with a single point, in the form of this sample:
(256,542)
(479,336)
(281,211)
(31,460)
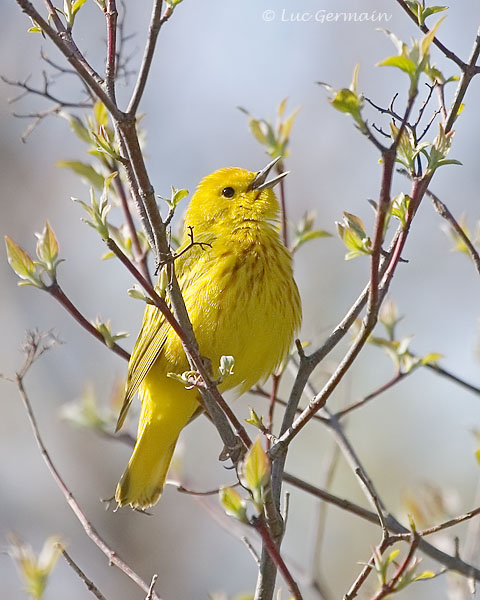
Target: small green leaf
(86,172)
(100,113)
(177,196)
(254,471)
(47,248)
(257,132)
(424,575)
(77,5)
(77,126)
(428,39)
(85,412)
(136,293)
(233,504)
(401,62)
(432,358)
(35,571)
(19,260)
(255,420)
(163,282)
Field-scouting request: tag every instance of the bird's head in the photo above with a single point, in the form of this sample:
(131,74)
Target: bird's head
(233,196)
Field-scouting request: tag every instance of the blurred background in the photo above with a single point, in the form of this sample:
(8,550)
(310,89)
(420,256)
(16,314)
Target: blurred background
(211,58)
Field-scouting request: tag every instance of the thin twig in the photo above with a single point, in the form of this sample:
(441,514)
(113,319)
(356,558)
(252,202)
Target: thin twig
(69,49)
(57,292)
(455,378)
(139,255)
(383,388)
(43,92)
(156,22)
(87,526)
(444,212)
(450,523)
(88,582)
(374,498)
(149,596)
(448,53)
(388,588)
(468,73)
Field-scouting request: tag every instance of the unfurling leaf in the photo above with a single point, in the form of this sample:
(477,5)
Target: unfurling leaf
(255,471)
(233,504)
(19,260)
(47,248)
(255,420)
(35,570)
(86,172)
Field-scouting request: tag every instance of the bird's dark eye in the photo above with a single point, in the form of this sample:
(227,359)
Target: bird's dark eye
(228,192)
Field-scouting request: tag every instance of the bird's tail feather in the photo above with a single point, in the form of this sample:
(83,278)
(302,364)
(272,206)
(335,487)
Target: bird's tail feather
(161,421)
(142,481)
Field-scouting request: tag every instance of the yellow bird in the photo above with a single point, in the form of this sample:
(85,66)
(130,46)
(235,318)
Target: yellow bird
(242,300)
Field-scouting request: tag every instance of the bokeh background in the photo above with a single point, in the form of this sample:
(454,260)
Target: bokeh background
(213,57)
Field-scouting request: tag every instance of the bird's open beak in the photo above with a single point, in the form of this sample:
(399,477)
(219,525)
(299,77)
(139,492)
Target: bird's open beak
(259,183)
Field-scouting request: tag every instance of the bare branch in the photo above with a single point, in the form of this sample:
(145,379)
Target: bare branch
(91,532)
(443,211)
(156,22)
(91,587)
(69,49)
(57,292)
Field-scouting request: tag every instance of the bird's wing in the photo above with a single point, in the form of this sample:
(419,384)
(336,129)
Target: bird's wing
(153,333)
(147,349)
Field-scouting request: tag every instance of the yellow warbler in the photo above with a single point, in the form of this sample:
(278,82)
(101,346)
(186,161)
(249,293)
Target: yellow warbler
(242,301)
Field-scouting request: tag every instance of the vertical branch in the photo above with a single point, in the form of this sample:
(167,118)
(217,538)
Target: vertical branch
(156,22)
(139,255)
(111,15)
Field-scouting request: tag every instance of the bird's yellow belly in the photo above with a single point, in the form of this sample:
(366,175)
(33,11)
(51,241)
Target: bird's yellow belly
(247,307)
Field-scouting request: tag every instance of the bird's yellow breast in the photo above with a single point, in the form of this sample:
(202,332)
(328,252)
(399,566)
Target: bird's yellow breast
(243,302)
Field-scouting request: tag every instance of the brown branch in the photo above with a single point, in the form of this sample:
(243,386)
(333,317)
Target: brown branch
(365,572)
(448,375)
(91,587)
(53,14)
(111,16)
(44,92)
(452,563)
(274,553)
(91,532)
(389,588)
(448,53)
(444,212)
(468,73)
(383,388)
(271,407)
(139,255)
(450,523)
(156,22)
(56,292)
(69,49)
